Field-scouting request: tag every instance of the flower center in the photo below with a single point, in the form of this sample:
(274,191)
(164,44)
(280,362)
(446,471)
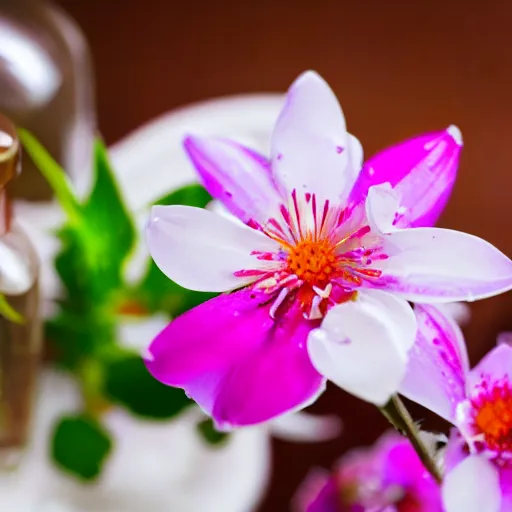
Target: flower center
(312,261)
(494,417)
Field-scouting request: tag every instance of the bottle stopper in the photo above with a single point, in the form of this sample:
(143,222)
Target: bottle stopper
(10,151)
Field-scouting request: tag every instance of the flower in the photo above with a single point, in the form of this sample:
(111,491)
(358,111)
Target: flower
(321,262)
(181,471)
(478,402)
(388,477)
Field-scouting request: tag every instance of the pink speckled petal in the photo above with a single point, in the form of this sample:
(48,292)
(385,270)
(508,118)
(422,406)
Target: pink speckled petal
(311,149)
(497,364)
(422,170)
(437,365)
(235,175)
(506,489)
(202,250)
(239,364)
(439,265)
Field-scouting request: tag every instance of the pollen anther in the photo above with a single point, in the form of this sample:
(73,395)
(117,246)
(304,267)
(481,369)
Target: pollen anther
(313,261)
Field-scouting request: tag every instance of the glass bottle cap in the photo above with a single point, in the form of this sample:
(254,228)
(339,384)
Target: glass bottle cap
(10,161)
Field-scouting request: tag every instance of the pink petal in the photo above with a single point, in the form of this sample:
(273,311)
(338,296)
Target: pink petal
(311,149)
(235,175)
(437,365)
(456,450)
(403,467)
(422,170)
(362,345)
(276,378)
(472,486)
(237,362)
(441,265)
(202,250)
(208,338)
(310,489)
(327,499)
(506,489)
(497,364)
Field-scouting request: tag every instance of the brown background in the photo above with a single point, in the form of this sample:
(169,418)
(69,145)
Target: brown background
(398,67)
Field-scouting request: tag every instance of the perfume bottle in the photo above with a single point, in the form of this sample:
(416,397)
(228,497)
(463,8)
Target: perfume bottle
(47,88)
(20,341)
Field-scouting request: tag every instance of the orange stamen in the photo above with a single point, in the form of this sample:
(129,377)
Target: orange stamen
(312,261)
(494,420)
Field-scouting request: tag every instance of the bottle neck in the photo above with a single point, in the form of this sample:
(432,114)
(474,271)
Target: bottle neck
(5,212)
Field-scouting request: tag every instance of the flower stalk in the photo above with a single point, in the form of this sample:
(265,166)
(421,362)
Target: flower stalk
(398,415)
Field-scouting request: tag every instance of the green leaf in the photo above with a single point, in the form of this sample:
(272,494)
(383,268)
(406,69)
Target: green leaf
(75,336)
(80,446)
(189,195)
(99,235)
(128,382)
(7,311)
(86,286)
(108,226)
(96,242)
(52,172)
(212,436)
(94,252)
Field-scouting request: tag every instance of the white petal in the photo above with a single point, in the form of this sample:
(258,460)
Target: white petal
(305,427)
(311,149)
(355,149)
(458,311)
(381,207)
(200,250)
(441,265)
(362,345)
(472,486)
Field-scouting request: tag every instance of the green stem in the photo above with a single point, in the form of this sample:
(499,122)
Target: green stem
(398,415)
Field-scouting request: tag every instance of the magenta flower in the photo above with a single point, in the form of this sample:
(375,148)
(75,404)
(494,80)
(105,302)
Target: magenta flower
(388,477)
(478,402)
(320,263)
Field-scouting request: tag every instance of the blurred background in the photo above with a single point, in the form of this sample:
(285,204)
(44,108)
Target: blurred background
(398,67)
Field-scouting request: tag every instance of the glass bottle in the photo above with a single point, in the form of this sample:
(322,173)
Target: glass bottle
(20,342)
(46,87)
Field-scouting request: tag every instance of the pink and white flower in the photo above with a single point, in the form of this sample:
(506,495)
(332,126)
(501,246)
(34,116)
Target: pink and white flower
(478,402)
(320,263)
(389,477)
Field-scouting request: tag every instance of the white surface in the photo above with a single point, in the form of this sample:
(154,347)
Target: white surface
(154,466)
